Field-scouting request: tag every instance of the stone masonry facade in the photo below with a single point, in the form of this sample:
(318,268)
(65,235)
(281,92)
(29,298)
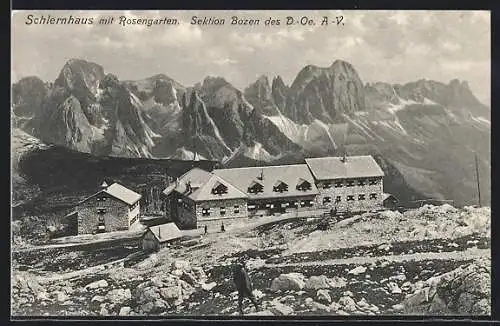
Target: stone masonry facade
(191,215)
(354,195)
(102,209)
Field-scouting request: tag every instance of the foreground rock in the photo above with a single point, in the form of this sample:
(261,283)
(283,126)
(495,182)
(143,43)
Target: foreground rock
(290,281)
(463,291)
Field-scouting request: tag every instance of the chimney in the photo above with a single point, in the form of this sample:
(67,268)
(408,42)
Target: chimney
(104,185)
(261,176)
(344,158)
(159,232)
(188,186)
(176,182)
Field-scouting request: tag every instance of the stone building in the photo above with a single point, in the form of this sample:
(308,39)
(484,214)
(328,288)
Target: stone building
(113,208)
(200,198)
(160,236)
(348,184)
(273,189)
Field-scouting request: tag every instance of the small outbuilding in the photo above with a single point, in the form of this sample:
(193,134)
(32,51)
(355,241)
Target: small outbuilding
(159,236)
(390,201)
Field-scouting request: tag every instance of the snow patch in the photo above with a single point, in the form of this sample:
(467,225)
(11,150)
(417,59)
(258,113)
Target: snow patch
(212,123)
(482,120)
(259,153)
(327,130)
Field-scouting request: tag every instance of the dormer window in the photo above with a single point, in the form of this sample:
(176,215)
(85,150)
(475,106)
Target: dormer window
(219,189)
(361,182)
(280,186)
(303,185)
(255,188)
(372,182)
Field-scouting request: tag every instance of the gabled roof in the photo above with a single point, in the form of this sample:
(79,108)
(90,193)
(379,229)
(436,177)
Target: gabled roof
(253,183)
(166,232)
(241,178)
(204,193)
(124,194)
(119,192)
(196,176)
(279,182)
(328,168)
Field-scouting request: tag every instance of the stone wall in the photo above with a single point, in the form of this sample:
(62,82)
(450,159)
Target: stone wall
(264,207)
(115,214)
(355,205)
(149,242)
(185,216)
(234,208)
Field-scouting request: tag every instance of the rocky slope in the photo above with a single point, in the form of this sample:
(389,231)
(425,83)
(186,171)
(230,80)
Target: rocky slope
(396,268)
(462,291)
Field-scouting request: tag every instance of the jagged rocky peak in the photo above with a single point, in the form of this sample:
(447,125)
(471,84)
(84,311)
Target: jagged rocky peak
(260,96)
(279,92)
(28,95)
(164,91)
(325,94)
(78,73)
(212,84)
(260,88)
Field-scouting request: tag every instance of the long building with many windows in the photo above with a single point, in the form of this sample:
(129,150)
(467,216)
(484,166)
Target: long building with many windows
(200,198)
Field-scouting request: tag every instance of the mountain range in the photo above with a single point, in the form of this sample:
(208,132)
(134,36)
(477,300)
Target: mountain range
(424,134)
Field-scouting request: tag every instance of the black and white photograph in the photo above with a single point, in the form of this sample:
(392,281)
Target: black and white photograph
(246,163)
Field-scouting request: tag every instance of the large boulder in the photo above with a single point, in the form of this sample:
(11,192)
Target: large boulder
(119,295)
(463,291)
(290,281)
(280,309)
(317,282)
(96,285)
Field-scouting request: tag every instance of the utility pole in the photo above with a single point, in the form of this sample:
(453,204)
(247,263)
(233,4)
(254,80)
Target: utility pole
(477,178)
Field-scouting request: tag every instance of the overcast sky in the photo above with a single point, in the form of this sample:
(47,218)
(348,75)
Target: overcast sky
(389,46)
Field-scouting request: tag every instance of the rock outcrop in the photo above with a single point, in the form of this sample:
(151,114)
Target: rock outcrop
(463,291)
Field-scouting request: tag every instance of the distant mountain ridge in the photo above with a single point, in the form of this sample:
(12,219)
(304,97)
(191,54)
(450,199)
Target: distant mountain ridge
(415,127)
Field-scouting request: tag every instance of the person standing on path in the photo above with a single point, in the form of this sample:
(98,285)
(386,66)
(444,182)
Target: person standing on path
(222,228)
(206,229)
(243,286)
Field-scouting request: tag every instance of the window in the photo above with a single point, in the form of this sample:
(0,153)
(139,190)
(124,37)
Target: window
(337,199)
(303,185)
(361,197)
(205,211)
(308,203)
(338,184)
(373,182)
(179,200)
(373,196)
(219,189)
(350,183)
(236,206)
(326,200)
(134,219)
(101,219)
(236,211)
(101,198)
(255,188)
(361,182)
(250,207)
(101,211)
(280,186)
(350,198)
(222,211)
(327,185)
